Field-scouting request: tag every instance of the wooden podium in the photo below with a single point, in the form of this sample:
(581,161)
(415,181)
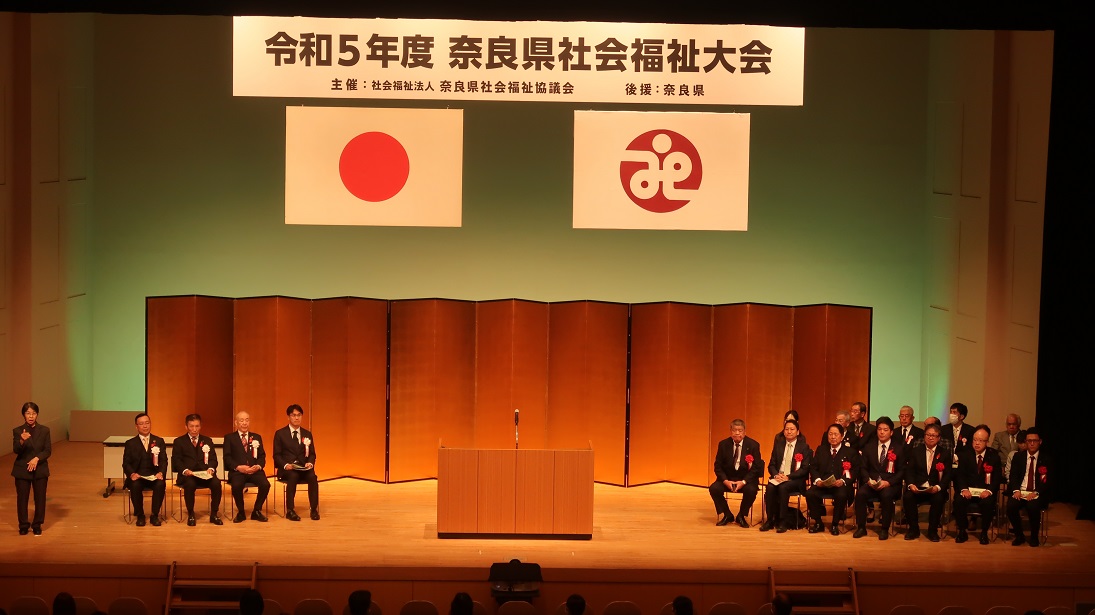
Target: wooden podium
(514,493)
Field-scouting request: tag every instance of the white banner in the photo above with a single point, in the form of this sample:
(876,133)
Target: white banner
(686,171)
(380,167)
(543,61)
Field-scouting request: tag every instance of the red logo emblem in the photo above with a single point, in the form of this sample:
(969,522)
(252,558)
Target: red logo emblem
(663,172)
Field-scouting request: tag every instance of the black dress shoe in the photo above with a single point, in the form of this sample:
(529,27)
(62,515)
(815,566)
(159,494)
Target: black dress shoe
(155,521)
(912,535)
(726,520)
(1033,539)
(860,532)
(140,521)
(37,531)
(767,525)
(191,521)
(239,518)
(257,515)
(984,539)
(961,537)
(782,528)
(742,521)
(315,515)
(933,536)
(884,534)
(292,515)
(23,531)
(215,520)
(1019,540)
(817,527)
(835,531)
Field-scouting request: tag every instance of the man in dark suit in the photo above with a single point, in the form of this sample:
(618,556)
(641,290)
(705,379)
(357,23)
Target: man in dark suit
(145,455)
(787,472)
(860,431)
(32,447)
(906,432)
(738,466)
(883,466)
(840,462)
(958,433)
(927,479)
(192,456)
(295,459)
(1029,485)
(978,473)
(245,458)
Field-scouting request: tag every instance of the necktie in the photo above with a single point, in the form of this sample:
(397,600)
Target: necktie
(144,441)
(882,455)
(194,441)
(928,460)
(1030,473)
(834,453)
(980,460)
(296,436)
(905,434)
(785,467)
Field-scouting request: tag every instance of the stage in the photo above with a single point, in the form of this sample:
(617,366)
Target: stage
(660,535)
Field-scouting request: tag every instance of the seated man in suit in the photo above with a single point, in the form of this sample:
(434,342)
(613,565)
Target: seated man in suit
(958,433)
(245,458)
(787,472)
(1010,440)
(192,456)
(883,466)
(144,465)
(927,479)
(978,473)
(860,432)
(737,469)
(1028,484)
(907,432)
(838,461)
(295,458)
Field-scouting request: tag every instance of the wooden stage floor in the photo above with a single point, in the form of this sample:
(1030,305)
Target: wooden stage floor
(654,527)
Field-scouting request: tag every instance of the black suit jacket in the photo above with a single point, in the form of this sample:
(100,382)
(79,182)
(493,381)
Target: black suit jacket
(136,459)
(916,435)
(1044,475)
(747,471)
(235,454)
(965,436)
(186,456)
(800,470)
(38,445)
(825,465)
(896,452)
(863,438)
(917,472)
(287,450)
(970,474)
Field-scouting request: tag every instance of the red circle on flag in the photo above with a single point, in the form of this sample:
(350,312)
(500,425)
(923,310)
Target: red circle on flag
(374,166)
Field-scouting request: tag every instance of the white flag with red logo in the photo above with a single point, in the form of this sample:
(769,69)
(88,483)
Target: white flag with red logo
(379,167)
(637,170)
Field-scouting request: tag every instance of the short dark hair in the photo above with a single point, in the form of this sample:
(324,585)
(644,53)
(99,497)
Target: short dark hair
(884,420)
(988,432)
(576,605)
(360,600)
(862,408)
(193,417)
(251,602)
(791,413)
(30,406)
(793,422)
(961,408)
(1033,431)
(290,409)
(839,427)
(462,604)
(139,415)
(933,427)
(64,604)
(682,605)
(781,604)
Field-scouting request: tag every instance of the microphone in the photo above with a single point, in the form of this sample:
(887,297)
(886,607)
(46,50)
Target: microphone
(516,416)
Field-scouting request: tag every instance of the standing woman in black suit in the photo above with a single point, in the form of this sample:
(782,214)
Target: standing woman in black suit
(31,445)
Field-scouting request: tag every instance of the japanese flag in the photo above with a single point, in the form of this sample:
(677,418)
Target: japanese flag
(380,167)
(635,170)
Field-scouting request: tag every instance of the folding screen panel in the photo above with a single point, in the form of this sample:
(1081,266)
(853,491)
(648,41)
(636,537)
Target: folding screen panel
(670,393)
(272,368)
(832,363)
(587,382)
(348,412)
(511,355)
(752,363)
(188,362)
(432,383)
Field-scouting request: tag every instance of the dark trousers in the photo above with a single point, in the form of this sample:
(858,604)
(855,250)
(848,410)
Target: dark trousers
(238,481)
(1033,508)
(291,478)
(190,483)
(911,502)
(748,493)
(867,494)
(136,495)
(776,501)
(22,501)
(986,507)
(840,495)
